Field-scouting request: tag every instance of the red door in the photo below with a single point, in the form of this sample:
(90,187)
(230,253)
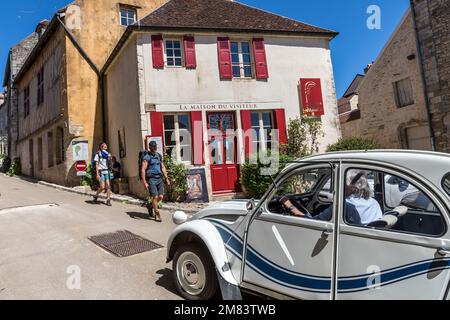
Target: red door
(222,147)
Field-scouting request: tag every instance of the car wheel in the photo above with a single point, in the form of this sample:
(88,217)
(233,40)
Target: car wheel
(194,273)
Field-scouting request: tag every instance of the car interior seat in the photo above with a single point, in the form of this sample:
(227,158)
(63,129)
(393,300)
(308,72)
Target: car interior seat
(390,218)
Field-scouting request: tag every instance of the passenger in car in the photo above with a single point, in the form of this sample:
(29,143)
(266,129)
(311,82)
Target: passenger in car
(358,194)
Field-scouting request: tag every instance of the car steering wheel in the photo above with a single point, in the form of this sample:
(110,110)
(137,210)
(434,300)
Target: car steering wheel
(296,204)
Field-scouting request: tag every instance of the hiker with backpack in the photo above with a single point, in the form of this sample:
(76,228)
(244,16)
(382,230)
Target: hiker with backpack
(101,165)
(152,173)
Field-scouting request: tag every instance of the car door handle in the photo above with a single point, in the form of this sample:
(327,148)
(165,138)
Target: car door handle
(327,233)
(444,252)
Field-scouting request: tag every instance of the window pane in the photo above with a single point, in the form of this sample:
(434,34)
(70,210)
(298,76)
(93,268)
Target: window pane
(236,71)
(169,123)
(183,121)
(245,47)
(170,62)
(177,53)
(234,47)
(177,44)
(169,52)
(267,119)
(235,58)
(169,44)
(169,138)
(178,62)
(248,71)
(170,152)
(246,58)
(255,119)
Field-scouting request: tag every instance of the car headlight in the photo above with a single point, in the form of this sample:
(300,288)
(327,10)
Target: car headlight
(179,217)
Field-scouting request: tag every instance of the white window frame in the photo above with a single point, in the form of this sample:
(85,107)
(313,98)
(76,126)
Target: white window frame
(127,10)
(181,52)
(262,138)
(241,59)
(177,136)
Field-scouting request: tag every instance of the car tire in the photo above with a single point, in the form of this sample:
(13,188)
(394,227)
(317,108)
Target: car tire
(194,272)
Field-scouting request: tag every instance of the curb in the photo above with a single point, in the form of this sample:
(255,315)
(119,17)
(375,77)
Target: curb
(130,201)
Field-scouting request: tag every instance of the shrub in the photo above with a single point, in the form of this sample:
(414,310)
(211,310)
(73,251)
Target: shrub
(355,143)
(90,180)
(254,183)
(177,174)
(14,168)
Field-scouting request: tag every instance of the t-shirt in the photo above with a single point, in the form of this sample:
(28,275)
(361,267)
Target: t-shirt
(369,209)
(102,158)
(154,165)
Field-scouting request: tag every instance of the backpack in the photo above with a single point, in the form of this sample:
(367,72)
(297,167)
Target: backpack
(142,154)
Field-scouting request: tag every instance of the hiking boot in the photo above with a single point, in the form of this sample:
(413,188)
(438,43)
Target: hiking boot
(157,216)
(149,207)
(108,203)
(95,199)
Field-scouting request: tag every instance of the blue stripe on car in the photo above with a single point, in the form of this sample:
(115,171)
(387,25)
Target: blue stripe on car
(311,283)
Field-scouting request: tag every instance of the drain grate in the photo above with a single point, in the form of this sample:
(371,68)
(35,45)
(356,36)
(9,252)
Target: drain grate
(124,243)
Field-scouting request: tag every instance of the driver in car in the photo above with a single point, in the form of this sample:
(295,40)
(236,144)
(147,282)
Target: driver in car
(360,207)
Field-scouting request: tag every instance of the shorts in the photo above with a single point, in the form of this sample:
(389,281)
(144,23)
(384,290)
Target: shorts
(156,186)
(105,176)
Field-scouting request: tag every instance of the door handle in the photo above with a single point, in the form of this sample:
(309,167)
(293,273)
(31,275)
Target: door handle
(327,233)
(444,252)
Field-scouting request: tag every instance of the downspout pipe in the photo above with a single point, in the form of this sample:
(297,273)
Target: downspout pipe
(94,68)
(424,83)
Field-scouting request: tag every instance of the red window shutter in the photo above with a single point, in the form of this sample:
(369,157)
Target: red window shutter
(197,137)
(259,52)
(158,52)
(156,126)
(189,52)
(280,117)
(224,49)
(246,119)
(311,97)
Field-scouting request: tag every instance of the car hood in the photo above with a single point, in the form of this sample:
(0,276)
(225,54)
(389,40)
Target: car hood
(233,208)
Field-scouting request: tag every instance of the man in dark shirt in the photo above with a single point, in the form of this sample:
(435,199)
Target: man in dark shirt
(152,173)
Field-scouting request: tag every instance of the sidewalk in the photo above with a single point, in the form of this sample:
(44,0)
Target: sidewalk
(191,208)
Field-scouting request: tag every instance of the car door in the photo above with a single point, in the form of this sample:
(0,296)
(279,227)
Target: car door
(290,255)
(406,261)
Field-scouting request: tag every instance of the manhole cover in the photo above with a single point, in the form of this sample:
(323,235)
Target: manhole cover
(124,243)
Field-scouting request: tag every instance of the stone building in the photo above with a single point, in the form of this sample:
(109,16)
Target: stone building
(16,58)
(391,103)
(432,21)
(58,88)
(193,70)
(3,126)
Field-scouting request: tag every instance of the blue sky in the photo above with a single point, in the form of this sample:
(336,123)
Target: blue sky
(352,50)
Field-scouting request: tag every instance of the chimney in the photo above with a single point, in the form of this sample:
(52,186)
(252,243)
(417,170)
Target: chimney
(40,28)
(367,68)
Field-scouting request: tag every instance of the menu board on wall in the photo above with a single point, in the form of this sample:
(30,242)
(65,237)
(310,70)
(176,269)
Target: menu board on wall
(311,97)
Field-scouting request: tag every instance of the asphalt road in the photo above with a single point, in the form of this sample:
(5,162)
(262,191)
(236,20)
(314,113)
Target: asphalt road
(45,252)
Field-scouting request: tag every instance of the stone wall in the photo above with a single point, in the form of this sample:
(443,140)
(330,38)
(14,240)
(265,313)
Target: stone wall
(433,28)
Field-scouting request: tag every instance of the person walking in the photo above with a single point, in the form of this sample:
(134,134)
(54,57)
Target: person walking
(102,161)
(152,173)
